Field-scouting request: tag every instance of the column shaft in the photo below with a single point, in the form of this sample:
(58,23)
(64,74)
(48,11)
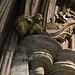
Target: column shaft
(64,44)
(73,41)
(51,10)
(36,68)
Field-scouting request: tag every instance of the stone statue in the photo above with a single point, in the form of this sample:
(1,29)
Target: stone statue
(26,25)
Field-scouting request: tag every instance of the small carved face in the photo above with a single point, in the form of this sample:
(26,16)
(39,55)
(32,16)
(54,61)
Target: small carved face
(26,25)
(23,23)
(61,13)
(37,18)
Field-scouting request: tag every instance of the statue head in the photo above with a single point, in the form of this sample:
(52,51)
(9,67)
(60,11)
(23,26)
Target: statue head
(26,25)
(22,24)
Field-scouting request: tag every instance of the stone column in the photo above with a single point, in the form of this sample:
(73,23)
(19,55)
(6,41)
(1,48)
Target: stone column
(64,8)
(37,68)
(20,63)
(67,43)
(27,7)
(64,44)
(65,64)
(56,9)
(40,61)
(51,10)
(41,51)
(73,41)
(37,6)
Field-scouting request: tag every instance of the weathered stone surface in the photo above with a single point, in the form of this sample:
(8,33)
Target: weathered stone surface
(20,63)
(65,63)
(27,7)
(66,54)
(42,50)
(51,10)
(33,7)
(63,68)
(73,41)
(8,53)
(8,14)
(41,42)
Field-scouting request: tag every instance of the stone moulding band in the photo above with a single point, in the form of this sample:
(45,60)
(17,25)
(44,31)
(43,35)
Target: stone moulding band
(42,56)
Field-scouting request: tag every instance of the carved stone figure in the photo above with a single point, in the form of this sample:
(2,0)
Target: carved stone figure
(26,25)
